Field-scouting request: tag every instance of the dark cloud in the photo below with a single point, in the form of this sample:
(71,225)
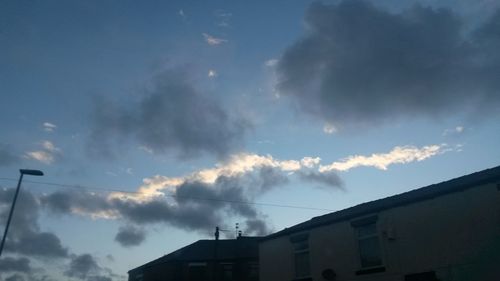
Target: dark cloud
(25,238)
(257,227)
(15,277)
(82,266)
(62,202)
(7,156)
(326,179)
(24,235)
(360,65)
(86,267)
(15,264)
(34,243)
(129,236)
(171,116)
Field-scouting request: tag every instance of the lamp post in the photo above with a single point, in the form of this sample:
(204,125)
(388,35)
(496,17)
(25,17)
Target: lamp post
(22,173)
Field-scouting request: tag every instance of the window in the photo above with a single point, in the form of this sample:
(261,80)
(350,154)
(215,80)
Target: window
(197,271)
(369,246)
(300,245)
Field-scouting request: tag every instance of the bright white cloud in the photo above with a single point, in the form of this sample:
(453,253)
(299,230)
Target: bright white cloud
(213,41)
(398,155)
(310,162)
(212,73)
(49,127)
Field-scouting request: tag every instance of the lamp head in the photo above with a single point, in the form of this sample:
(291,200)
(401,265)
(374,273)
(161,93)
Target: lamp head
(31,172)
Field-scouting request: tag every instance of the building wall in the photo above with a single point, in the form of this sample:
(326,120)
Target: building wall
(456,235)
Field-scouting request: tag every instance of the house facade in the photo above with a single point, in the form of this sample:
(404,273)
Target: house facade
(205,260)
(448,231)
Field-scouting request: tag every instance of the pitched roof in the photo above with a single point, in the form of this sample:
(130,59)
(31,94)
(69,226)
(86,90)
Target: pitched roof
(204,250)
(413,196)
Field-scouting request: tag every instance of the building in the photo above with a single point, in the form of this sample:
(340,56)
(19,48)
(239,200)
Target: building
(205,260)
(448,231)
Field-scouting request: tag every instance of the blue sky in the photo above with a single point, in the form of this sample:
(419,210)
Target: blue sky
(187,105)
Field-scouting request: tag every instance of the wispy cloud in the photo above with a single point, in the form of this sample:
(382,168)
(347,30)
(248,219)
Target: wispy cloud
(46,154)
(49,146)
(49,127)
(213,41)
(223,18)
(453,131)
(329,129)
(271,62)
(398,155)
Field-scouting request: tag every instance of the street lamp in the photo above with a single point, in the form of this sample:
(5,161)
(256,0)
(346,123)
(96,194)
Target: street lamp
(22,173)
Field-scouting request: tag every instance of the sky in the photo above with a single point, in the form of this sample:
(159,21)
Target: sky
(156,121)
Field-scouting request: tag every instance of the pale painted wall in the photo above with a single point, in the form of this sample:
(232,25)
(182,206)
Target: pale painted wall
(457,235)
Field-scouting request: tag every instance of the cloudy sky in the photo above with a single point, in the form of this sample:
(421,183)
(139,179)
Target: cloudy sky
(156,121)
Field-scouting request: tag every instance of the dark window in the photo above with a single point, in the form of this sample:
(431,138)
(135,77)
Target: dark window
(301,256)
(368,242)
(197,272)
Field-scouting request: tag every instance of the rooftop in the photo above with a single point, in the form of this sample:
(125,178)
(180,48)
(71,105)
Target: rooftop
(413,196)
(205,250)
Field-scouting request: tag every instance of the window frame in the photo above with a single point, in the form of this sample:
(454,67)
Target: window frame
(357,225)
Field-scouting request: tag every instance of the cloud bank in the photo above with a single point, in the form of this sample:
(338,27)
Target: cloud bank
(195,202)
(359,65)
(25,236)
(206,198)
(26,242)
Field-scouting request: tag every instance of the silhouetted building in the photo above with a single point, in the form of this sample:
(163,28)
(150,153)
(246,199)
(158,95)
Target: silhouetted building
(448,231)
(205,260)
